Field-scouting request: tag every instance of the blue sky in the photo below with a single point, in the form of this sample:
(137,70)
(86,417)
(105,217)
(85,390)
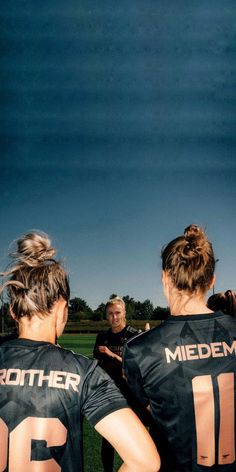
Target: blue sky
(109,227)
(118,131)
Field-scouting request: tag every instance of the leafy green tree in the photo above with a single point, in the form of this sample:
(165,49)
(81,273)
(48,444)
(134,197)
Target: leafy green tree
(138,313)
(100,313)
(160,313)
(130,307)
(147,309)
(143,310)
(6,321)
(78,304)
(97,316)
(79,309)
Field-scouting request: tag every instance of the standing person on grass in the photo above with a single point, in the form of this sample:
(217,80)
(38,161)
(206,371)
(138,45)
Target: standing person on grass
(184,370)
(45,390)
(108,350)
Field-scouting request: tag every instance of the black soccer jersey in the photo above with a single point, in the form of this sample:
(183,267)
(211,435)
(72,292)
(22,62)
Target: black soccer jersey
(185,369)
(44,393)
(115,342)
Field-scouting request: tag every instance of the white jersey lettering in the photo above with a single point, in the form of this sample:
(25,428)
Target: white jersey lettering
(190,352)
(53,379)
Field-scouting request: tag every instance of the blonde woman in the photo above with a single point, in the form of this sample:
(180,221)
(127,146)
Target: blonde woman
(45,390)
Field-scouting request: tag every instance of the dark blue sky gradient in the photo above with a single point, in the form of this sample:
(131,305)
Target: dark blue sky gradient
(117,131)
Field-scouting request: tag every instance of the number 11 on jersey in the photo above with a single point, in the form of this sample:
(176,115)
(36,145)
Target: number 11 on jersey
(204,408)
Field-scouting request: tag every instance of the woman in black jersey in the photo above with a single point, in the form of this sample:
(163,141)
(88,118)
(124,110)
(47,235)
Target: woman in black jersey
(108,350)
(45,390)
(184,371)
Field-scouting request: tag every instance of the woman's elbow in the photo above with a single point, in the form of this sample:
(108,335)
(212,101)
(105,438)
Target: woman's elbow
(151,464)
(144,462)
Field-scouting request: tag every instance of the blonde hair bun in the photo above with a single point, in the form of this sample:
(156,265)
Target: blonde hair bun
(34,279)
(34,249)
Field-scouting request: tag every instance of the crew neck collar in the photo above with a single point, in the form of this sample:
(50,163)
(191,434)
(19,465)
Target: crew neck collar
(203,316)
(28,342)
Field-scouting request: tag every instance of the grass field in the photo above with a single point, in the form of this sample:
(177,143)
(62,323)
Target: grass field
(83,343)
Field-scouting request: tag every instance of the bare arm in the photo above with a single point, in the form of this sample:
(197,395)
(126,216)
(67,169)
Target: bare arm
(108,352)
(131,440)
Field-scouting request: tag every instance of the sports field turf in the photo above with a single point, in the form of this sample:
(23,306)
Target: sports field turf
(83,343)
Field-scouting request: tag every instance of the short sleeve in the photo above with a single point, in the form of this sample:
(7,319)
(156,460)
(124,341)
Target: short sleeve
(133,375)
(99,342)
(100,396)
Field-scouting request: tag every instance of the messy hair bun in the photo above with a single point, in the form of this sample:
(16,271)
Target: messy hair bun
(33,249)
(194,233)
(189,260)
(195,244)
(35,280)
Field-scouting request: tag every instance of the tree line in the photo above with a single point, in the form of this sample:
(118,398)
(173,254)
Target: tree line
(135,310)
(80,310)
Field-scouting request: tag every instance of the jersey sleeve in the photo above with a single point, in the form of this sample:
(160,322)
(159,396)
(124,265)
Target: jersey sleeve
(98,342)
(132,332)
(100,396)
(133,375)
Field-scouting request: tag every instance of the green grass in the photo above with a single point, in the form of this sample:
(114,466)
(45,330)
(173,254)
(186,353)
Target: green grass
(83,343)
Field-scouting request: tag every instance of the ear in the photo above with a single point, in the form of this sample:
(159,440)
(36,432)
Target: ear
(13,316)
(165,284)
(12,313)
(165,278)
(212,283)
(61,315)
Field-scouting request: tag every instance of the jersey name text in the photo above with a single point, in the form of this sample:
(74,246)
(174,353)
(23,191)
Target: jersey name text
(190,352)
(33,377)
